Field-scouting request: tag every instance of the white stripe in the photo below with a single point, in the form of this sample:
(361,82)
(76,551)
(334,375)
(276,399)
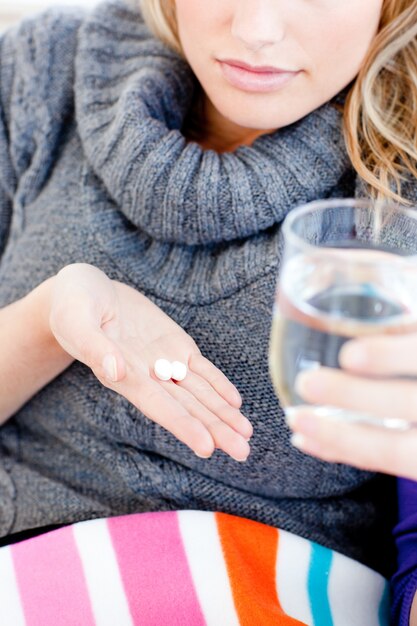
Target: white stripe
(205,558)
(11,610)
(292,567)
(101,570)
(355,593)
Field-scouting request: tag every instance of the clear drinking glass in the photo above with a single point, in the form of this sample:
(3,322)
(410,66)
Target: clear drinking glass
(349,269)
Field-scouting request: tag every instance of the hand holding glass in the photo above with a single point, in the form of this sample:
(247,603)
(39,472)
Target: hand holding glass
(349,270)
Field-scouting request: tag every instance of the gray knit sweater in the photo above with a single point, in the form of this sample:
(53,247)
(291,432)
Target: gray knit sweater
(94,168)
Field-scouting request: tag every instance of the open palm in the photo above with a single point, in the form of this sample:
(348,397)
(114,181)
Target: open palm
(119,334)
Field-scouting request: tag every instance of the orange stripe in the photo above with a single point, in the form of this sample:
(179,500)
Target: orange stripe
(250,551)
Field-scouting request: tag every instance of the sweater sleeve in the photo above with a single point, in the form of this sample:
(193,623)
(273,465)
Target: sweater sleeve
(404,582)
(36,97)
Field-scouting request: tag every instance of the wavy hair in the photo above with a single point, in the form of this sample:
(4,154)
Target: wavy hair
(380,115)
(380,111)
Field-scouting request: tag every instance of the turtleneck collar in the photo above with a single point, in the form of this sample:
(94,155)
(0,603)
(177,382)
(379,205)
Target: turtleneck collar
(132,97)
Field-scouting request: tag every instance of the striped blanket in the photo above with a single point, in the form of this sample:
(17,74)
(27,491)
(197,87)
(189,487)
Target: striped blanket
(186,568)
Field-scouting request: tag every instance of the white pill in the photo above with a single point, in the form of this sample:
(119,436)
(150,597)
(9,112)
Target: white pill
(179,370)
(163,369)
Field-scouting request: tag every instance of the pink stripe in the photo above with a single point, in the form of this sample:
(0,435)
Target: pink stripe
(154,570)
(51,580)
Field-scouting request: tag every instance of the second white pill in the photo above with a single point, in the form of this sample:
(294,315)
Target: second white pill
(179,371)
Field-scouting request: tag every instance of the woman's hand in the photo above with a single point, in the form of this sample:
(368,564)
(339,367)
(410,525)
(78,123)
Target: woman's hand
(119,334)
(367,447)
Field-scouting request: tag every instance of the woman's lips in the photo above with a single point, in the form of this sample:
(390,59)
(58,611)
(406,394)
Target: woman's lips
(255,79)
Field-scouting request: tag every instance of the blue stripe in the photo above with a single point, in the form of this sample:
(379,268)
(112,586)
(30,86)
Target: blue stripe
(384,607)
(318,580)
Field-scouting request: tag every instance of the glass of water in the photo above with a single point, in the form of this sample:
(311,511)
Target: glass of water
(349,270)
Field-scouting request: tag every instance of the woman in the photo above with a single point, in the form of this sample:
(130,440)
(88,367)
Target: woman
(174,183)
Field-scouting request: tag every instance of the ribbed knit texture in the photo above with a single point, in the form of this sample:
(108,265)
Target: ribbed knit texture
(94,168)
(176,191)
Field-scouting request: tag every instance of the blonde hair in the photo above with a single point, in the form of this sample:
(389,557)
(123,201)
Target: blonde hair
(380,115)
(159,16)
(380,112)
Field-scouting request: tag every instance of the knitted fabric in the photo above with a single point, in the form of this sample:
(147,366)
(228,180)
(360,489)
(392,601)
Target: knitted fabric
(94,168)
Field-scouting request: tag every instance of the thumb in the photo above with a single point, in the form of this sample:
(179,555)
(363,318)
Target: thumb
(84,340)
(105,358)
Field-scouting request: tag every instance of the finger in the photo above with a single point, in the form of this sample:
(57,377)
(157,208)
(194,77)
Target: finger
(387,355)
(208,397)
(153,400)
(206,370)
(82,338)
(363,446)
(333,387)
(225,437)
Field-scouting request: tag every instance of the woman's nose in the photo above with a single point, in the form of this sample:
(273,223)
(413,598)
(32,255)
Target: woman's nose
(258,23)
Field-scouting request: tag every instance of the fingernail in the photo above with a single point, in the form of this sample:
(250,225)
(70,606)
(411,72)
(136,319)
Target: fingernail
(246,429)
(302,383)
(310,385)
(353,355)
(201,456)
(110,367)
(240,460)
(238,397)
(298,441)
(290,410)
(290,416)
